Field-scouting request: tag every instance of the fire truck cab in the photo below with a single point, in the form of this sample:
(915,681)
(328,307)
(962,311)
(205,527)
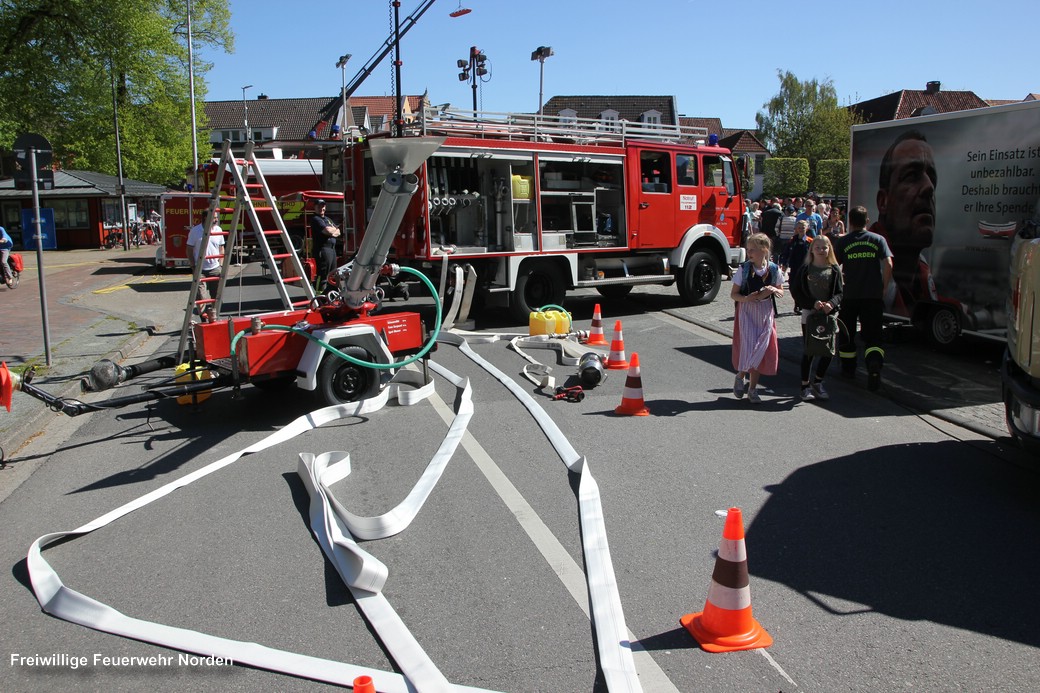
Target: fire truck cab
(538,205)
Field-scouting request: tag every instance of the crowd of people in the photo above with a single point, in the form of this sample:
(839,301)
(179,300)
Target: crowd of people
(838,276)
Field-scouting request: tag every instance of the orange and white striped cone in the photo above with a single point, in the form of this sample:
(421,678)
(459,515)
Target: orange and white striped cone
(632,398)
(616,360)
(596,336)
(726,624)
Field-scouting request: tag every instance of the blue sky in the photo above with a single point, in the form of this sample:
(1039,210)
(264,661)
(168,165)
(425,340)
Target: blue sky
(718,60)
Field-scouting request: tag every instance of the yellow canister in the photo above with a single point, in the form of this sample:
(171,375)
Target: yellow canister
(549,322)
(183,376)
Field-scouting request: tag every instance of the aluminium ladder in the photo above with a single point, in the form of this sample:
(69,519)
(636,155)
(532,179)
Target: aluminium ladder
(252,196)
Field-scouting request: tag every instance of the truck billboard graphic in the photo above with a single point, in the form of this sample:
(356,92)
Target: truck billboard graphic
(951,193)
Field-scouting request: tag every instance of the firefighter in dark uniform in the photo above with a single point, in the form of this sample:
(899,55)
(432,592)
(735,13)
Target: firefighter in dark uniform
(866,265)
(326,236)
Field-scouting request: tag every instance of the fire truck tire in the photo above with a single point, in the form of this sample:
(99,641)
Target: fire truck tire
(537,285)
(341,381)
(614,290)
(943,327)
(700,278)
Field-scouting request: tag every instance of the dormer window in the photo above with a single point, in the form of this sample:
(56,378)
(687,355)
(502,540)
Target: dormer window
(651,118)
(609,120)
(568,116)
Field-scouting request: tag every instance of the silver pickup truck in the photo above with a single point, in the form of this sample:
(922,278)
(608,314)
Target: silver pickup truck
(1020,372)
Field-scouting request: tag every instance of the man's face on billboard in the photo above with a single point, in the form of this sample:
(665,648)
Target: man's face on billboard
(907,207)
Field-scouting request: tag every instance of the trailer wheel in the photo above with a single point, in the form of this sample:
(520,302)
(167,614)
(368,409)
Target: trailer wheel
(538,284)
(614,290)
(943,327)
(700,278)
(340,381)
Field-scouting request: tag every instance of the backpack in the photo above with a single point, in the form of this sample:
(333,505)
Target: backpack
(821,334)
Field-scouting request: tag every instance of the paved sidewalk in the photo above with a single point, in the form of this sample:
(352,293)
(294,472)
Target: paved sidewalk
(100,304)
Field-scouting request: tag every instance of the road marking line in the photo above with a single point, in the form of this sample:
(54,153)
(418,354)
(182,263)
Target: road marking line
(554,553)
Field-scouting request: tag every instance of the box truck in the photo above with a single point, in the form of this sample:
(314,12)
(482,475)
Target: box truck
(954,194)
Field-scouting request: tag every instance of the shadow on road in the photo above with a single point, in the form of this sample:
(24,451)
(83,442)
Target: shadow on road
(944,532)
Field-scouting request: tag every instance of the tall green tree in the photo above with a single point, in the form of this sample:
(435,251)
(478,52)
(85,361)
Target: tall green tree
(804,120)
(64,63)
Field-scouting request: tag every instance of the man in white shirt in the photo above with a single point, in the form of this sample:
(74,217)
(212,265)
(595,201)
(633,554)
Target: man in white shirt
(211,257)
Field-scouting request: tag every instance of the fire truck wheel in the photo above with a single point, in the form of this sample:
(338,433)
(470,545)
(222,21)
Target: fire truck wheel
(943,327)
(537,285)
(341,381)
(614,290)
(700,279)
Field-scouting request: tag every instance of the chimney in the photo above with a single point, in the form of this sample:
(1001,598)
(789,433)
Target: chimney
(932,87)
(263,97)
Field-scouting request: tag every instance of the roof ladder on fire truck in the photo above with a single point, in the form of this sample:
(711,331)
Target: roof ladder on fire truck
(252,196)
(349,224)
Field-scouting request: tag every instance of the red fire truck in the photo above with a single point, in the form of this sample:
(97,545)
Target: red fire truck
(538,205)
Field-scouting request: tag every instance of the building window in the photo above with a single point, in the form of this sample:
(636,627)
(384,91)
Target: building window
(609,120)
(651,118)
(71,214)
(760,163)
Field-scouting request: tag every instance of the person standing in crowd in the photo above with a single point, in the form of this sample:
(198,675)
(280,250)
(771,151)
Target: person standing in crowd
(814,219)
(797,249)
(756,285)
(787,223)
(209,258)
(906,218)
(816,285)
(326,235)
(866,263)
(770,222)
(6,244)
(833,226)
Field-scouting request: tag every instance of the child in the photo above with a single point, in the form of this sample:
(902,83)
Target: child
(755,284)
(817,286)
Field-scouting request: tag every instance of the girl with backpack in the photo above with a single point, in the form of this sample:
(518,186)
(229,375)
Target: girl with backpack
(817,288)
(756,284)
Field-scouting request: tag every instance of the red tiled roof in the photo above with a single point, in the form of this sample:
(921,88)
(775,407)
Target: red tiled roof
(629,108)
(909,102)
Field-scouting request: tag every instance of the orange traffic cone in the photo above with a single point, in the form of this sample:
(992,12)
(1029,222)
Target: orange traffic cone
(726,623)
(596,336)
(632,398)
(9,382)
(616,360)
(363,684)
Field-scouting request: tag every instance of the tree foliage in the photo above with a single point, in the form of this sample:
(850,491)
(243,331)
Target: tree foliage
(804,120)
(63,63)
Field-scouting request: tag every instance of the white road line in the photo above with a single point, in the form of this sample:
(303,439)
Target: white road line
(651,676)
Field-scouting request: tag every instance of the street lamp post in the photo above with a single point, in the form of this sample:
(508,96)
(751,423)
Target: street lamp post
(540,54)
(341,63)
(245,112)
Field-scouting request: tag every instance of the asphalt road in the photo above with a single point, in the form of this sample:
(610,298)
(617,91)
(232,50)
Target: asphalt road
(888,547)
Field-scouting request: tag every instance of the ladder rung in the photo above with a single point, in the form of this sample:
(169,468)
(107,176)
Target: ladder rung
(253,186)
(262,209)
(209,279)
(272,233)
(281,256)
(212,257)
(301,303)
(205,301)
(291,279)
(225,210)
